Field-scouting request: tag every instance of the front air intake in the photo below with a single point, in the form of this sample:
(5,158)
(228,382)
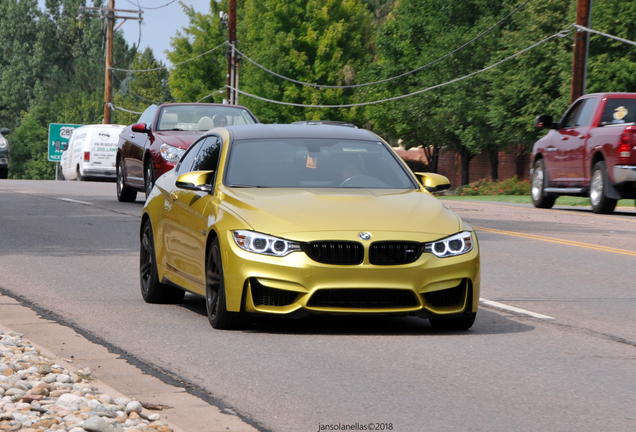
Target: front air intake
(363,298)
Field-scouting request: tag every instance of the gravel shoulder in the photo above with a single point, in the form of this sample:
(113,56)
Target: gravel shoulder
(94,378)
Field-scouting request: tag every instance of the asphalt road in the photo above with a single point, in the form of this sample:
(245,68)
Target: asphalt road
(72,249)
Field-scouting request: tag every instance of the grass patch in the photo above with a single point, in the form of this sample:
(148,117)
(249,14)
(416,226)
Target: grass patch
(526,199)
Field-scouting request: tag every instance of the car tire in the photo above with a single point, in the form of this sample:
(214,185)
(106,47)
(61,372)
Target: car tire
(80,177)
(149,177)
(538,185)
(4,173)
(124,193)
(458,323)
(215,300)
(601,203)
(152,290)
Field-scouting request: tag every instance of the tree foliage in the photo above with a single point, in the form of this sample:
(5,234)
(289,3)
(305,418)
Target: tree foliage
(52,68)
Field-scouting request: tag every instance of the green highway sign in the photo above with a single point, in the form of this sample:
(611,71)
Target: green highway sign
(58,135)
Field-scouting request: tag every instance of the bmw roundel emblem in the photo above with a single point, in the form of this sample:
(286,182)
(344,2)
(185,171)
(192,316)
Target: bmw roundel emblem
(364,236)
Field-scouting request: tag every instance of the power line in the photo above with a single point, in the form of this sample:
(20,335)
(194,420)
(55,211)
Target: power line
(176,64)
(561,34)
(585,29)
(392,78)
(146,7)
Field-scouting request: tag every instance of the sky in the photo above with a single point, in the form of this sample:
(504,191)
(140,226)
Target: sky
(158,25)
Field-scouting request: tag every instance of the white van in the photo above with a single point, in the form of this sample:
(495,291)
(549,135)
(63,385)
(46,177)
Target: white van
(90,152)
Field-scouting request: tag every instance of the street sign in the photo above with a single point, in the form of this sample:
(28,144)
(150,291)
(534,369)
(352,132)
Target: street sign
(58,135)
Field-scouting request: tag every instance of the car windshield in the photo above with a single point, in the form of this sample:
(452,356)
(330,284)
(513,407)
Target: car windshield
(201,117)
(314,163)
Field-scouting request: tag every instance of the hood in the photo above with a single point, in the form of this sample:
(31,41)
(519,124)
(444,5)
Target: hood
(181,139)
(286,211)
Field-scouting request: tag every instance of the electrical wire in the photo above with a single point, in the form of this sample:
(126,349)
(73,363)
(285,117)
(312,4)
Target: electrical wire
(392,78)
(217,91)
(146,7)
(176,64)
(585,29)
(111,106)
(561,34)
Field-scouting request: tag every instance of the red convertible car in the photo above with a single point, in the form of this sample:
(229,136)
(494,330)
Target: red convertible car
(153,145)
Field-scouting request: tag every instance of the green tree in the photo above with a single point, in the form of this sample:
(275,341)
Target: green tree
(196,79)
(138,90)
(314,41)
(418,32)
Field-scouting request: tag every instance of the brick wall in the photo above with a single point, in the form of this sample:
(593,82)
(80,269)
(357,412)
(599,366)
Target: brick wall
(450,164)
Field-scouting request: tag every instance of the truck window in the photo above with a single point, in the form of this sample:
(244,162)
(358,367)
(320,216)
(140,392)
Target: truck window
(580,114)
(619,111)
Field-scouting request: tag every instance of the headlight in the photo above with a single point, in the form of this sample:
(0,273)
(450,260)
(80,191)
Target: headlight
(457,244)
(263,244)
(3,143)
(171,153)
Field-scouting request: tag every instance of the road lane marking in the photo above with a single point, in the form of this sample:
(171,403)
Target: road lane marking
(75,201)
(505,307)
(559,241)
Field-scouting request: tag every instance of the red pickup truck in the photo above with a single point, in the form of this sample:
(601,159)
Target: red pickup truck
(591,152)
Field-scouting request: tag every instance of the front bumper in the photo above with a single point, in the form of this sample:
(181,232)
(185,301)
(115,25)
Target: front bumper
(624,174)
(297,285)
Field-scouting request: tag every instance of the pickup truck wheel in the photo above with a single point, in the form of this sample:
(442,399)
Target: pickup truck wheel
(215,301)
(601,203)
(539,180)
(124,193)
(149,178)
(152,290)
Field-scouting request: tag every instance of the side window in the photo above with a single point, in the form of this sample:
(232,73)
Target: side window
(580,114)
(208,157)
(186,161)
(570,117)
(148,115)
(587,111)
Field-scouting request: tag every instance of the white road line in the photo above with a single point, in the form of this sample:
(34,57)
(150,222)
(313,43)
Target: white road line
(512,309)
(75,201)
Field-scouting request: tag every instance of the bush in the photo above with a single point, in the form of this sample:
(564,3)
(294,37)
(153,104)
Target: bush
(511,186)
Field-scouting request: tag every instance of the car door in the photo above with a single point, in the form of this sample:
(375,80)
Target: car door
(570,141)
(133,147)
(187,218)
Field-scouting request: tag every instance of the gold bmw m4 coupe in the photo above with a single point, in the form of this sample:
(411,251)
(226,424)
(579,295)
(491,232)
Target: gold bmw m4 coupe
(291,220)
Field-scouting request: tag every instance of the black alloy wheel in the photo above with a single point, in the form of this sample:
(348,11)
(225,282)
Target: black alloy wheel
(149,178)
(124,193)
(152,290)
(215,301)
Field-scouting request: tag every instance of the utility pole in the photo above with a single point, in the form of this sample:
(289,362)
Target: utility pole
(232,64)
(108,82)
(109,15)
(581,43)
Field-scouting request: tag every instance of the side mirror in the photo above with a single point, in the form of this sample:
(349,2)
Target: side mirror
(196,181)
(544,121)
(140,128)
(434,183)
(5,131)
(63,146)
